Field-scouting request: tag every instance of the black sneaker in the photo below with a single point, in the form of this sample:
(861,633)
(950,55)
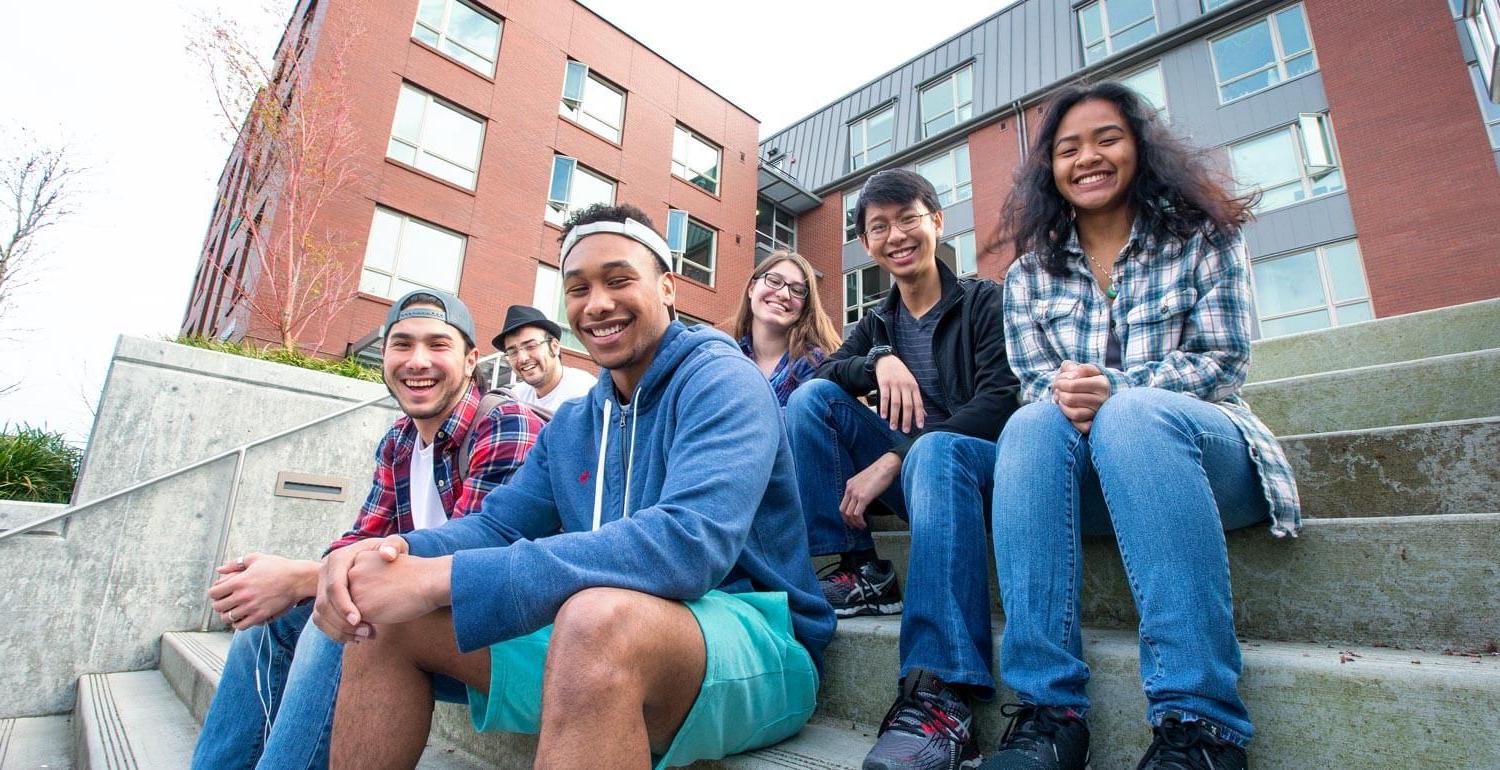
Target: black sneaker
(869,589)
(1041,738)
(1194,745)
(927,728)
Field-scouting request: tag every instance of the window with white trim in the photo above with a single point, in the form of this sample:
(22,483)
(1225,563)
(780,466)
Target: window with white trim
(949,175)
(691,320)
(461,31)
(1312,289)
(864,289)
(775,228)
(1107,26)
(958,254)
(1264,53)
(1209,5)
(851,230)
(1148,83)
(1482,17)
(1489,111)
(436,137)
(695,159)
(694,246)
(548,297)
(948,102)
(1290,164)
(592,102)
(872,138)
(404,254)
(574,187)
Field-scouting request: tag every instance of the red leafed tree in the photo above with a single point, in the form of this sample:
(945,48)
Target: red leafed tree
(298,137)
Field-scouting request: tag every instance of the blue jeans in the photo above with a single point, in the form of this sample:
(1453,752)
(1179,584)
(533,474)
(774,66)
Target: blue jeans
(1170,474)
(283,717)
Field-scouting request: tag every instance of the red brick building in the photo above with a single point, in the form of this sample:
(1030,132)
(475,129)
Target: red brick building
(481,124)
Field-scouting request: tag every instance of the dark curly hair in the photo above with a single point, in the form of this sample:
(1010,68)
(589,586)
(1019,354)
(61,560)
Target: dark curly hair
(1176,187)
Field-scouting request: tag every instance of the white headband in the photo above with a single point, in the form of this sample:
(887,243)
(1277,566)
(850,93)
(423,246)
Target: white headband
(630,228)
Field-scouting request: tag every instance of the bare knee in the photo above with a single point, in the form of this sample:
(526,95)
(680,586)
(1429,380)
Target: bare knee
(596,639)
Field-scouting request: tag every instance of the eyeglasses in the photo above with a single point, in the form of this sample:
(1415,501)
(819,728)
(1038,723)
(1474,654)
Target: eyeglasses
(775,282)
(516,350)
(906,224)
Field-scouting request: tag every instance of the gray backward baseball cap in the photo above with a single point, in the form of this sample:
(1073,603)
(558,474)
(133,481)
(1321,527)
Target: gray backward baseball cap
(454,313)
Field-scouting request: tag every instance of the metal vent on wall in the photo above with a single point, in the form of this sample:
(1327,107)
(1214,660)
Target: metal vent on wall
(312,487)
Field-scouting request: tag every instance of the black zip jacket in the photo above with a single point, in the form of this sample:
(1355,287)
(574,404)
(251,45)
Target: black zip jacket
(968,347)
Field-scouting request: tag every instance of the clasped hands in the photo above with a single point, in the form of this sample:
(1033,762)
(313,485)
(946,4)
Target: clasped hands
(376,581)
(1080,389)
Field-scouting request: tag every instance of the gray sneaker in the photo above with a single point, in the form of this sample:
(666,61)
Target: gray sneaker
(927,728)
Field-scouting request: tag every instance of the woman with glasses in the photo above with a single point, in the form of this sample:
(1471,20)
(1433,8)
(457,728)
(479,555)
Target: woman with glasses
(781,325)
(1127,320)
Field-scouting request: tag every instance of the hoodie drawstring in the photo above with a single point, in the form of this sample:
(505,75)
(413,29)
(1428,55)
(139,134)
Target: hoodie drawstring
(604,451)
(599,472)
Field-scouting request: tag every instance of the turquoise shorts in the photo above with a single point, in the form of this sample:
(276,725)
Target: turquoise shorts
(759,686)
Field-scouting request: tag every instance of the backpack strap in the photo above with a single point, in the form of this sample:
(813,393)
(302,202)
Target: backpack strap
(487,404)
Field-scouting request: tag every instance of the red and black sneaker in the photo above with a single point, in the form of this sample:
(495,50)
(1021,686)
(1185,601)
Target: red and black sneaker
(869,589)
(1195,745)
(927,728)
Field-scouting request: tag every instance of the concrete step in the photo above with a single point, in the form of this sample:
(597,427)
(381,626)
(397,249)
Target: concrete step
(28,743)
(1313,705)
(1460,386)
(1402,581)
(128,721)
(1442,467)
(192,663)
(1457,329)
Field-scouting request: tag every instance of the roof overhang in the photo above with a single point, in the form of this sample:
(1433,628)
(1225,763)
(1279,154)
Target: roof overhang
(779,188)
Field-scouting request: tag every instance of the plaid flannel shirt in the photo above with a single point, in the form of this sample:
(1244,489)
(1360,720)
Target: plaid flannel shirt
(1183,319)
(502,439)
(789,374)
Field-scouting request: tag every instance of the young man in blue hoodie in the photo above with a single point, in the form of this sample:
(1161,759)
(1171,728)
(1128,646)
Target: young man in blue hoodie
(675,614)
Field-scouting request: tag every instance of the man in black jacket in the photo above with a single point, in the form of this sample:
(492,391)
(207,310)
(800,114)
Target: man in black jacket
(934,351)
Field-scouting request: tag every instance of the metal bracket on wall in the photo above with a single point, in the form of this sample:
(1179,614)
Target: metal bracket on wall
(312,487)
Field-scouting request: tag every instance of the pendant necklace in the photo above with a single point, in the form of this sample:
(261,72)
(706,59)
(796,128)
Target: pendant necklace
(1111,292)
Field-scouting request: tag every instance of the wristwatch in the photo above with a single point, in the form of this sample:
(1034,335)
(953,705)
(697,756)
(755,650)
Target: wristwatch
(875,354)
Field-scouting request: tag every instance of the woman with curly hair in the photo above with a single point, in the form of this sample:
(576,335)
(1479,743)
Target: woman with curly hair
(1127,320)
(781,325)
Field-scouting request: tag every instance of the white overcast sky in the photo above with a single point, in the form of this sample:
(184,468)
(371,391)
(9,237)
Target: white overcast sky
(113,80)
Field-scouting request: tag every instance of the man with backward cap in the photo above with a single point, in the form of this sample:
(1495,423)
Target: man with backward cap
(274,702)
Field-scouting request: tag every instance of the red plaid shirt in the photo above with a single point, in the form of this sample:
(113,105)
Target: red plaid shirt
(502,439)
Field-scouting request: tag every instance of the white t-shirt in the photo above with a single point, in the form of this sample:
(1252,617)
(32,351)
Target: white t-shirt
(426,504)
(574,383)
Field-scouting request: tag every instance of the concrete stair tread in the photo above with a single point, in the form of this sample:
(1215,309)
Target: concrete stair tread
(131,720)
(36,742)
(820,746)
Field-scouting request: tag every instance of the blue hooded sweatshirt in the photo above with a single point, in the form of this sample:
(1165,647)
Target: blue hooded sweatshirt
(687,488)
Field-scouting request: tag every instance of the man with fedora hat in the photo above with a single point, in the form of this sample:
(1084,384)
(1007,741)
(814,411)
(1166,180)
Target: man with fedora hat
(275,698)
(532,345)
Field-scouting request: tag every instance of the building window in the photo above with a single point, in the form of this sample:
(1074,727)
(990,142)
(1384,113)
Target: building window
(948,102)
(1289,164)
(690,320)
(695,159)
(1269,51)
(548,297)
(1311,289)
(405,254)
(872,138)
(1490,111)
(574,187)
(1209,5)
(591,102)
(694,246)
(1148,83)
(1108,26)
(864,288)
(436,137)
(775,228)
(949,174)
(461,31)
(851,200)
(958,254)
(1482,17)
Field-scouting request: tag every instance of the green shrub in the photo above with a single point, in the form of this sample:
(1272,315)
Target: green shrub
(347,367)
(36,465)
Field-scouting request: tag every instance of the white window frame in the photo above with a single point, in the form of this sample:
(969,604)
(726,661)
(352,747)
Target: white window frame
(678,223)
(773,241)
(1482,18)
(394,273)
(1320,253)
(442,34)
(560,207)
(956,241)
(962,189)
(1109,34)
(962,111)
(1276,46)
(1316,152)
(417,145)
(547,296)
(682,139)
(1211,5)
(851,198)
(862,158)
(1163,110)
(862,305)
(1491,125)
(577,78)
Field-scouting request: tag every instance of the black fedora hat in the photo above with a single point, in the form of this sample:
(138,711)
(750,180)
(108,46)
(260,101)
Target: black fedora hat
(525,315)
